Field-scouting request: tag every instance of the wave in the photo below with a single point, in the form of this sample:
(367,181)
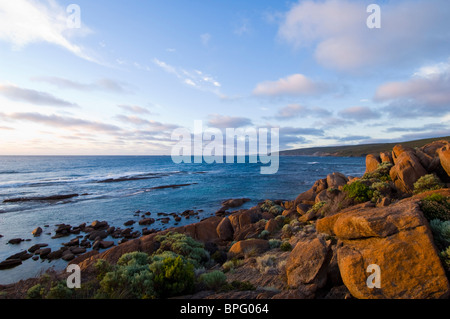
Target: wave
(313,163)
(40,198)
(8,172)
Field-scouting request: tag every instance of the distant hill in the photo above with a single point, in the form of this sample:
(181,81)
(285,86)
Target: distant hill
(357,150)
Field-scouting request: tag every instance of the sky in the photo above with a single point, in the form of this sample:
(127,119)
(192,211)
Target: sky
(118,77)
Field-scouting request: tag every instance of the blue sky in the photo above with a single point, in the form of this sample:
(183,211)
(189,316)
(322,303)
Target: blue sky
(137,70)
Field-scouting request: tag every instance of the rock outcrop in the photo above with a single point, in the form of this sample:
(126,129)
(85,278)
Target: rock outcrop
(397,239)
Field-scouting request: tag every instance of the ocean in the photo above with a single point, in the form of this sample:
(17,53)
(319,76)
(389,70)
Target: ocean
(113,188)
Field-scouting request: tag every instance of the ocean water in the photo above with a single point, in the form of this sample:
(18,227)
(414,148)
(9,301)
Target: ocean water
(113,188)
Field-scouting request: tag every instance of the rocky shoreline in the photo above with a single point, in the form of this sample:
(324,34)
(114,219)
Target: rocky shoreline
(316,246)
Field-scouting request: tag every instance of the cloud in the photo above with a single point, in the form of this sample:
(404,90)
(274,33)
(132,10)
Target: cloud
(359,113)
(426,127)
(296,84)
(296,131)
(150,125)
(222,122)
(134,109)
(16,93)
(195,78)
(100,85)
(425,93)
(23,22)
(296,110)
(61,121)
(336,30)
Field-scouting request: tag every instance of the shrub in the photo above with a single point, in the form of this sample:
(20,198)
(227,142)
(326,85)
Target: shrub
(35,292)
(316,207)
(59,291)
(436,206)
(276,210)
(358,191)
(130,278)
(102,267)
(264,234)
(172,276)
(266,263)
(214,280)
(231,264)
(267,205)
(427,183)
(219,256)
(185,246)
(445,256)
(287,231)
(274,243)
(381,173)
(242,285)
(286,246)
(380,190)
(441,232)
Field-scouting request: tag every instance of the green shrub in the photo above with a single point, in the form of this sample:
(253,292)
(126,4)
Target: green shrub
(59,290)
(231,264)
(214,280)
(102,267)
(242,285)
(219,256)
(172,276)
(380,190)
(287,231)
(445,257)
(276,210)
(274,243)
(436,206)
(185,246)
(36,292)
(427,183)
(381,173)
(358,191)
(264,234)
(286,246)
(441,232)
(131,278)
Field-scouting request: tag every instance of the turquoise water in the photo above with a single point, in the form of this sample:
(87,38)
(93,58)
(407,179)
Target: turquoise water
(113,188)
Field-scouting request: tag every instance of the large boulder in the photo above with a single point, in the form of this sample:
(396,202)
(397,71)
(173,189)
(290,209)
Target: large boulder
(406,171)
(432,148)
(386,157)
(444,157)
(307,262)
(372,162)
(225,229)
(397,239)
(336,180)
(249,247)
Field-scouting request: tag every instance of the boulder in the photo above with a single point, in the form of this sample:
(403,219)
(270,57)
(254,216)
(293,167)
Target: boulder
(249,246)
(406,171)
(57,254)
(106,244)
(99,225)
(433,148)
(43,252)
(37,232)
(225,229)
(146,221)
(444,157)
(204,231)
(232,203)
(33,248)
(398,150)
(15,241)
(129,223)
(397,239)
(10,263)
(372,162)
(336,180)
(386,157)
(23,255)
(272,226)
(307,262)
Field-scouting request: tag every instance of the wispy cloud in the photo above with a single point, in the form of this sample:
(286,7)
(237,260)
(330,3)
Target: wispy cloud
(16,93)
(196,79)
(296,84)
(23,22)
(359,113)
(296,110)
(134,109)
(66,122)
(222,121)
(108,85)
